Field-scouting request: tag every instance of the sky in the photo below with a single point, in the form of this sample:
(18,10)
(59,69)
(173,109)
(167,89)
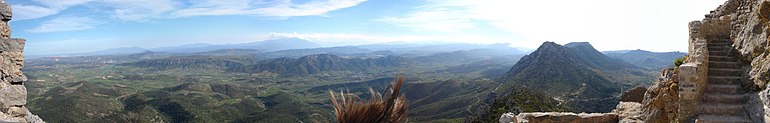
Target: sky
(76,26)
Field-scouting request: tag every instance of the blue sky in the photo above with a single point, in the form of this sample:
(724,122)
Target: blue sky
(73,26)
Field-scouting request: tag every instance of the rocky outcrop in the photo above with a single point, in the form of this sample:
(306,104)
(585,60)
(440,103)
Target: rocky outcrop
(624,112)
(560,117)
(13,94)
(749,32)
(634,95)
(660,101)
(629,112)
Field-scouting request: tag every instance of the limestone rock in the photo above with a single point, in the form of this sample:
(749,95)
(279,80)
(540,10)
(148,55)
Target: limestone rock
(13,95)
(660,103)
(633,95)
(562,117)
(5,16)
(508,118)
(18,111)
(629,112)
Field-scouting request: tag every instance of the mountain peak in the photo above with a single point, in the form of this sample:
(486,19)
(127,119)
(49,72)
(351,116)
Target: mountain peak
(574,70)
(548,45)
(576,44)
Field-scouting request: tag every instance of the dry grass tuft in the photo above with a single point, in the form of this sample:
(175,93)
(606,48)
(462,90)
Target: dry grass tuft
(378,109)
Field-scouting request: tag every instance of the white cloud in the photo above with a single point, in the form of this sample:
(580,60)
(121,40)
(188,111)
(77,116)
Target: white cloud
(658,25)
(65,24)
(140,10)
(143,10)
(274,8)
(60,4)
(48,8)
(24,12)
(434,19)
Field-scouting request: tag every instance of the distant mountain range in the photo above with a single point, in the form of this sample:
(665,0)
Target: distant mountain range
(647,59)
(574,72)
(267,45)
(300,45)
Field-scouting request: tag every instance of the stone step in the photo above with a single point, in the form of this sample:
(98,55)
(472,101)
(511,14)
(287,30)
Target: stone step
(720,40)
(724,80)
(722,119)
(724,65)
(719,53)
(724,72)
(721,49)
(722,88)
(725,98)
(723,58)
(721,109)
(719,44)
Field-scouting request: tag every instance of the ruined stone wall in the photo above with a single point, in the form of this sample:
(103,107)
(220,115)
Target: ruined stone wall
(13,94)
(692,75)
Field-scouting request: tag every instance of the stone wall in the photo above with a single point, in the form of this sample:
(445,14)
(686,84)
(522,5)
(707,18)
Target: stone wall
(625,112)
(13,94)
(692,75)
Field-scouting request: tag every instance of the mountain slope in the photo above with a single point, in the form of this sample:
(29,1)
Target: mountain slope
(575,72)
(199,62)
(314,64)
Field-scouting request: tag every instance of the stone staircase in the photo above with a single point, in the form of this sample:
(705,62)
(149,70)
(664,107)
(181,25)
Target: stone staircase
(723,99)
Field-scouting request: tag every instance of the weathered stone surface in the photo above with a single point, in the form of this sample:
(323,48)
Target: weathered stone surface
(18,111)
(13,94)
(629,112)
(750,33)
(634,95)
(660,104)
(508,118)
(5,16)
(562,117)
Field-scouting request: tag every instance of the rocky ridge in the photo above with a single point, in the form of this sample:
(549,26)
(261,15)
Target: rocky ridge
(13,94)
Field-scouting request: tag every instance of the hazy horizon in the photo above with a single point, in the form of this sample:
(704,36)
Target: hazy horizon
(76,26)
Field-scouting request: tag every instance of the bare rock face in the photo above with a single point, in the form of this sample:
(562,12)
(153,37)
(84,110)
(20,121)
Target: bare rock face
(13,94)
(750,33)
(629,112)
(508,118)
(660,100)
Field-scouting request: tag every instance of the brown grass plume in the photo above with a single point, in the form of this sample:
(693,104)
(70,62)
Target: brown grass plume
(389,109)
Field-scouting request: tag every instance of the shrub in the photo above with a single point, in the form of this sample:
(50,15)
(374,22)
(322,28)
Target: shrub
(679,61)
(378,109)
